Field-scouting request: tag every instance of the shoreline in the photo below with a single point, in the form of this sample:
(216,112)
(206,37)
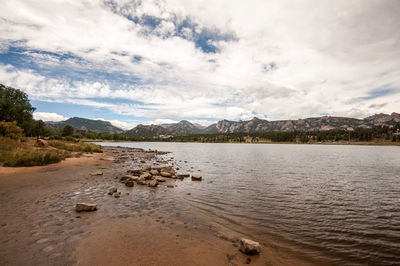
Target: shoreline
(288,143)
(145,226)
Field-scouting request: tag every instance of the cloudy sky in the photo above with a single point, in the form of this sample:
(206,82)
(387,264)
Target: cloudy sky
(155,61)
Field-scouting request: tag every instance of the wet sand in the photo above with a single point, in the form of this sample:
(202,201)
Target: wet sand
(145,226)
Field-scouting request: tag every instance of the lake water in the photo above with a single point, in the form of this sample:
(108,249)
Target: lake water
(339,204)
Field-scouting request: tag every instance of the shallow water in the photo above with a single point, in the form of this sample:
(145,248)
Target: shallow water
(339,204)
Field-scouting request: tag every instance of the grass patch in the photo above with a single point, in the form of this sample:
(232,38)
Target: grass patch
(75,146)
(15,153)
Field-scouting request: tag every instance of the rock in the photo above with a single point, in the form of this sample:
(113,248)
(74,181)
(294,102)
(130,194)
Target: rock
(96,173)
(170,186)
(141,181)
(165,174)
(146,168)
(125,178)
(159,179)
(42,143)
(182,175)
(112,191)
(117,194)
(196,177)
(153,183)
(168,169)
(154,172)
(129,183)
(146,176)
(249,247)
(143,161)
(135,172)
(85,207)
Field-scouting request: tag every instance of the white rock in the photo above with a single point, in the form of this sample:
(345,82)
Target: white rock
(249,247)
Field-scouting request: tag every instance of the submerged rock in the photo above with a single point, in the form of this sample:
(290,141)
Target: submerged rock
(112,191)
(196,177)
(85,207)
(249,247)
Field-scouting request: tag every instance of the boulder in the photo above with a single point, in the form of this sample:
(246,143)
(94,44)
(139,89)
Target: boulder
(146,168)
(96,173)
(42,143)
(165,174)
(154,172)
(146,176)
(129,183)
(117,194)
(85,207)
(112,191)
(196,177)
(153,183)
(249,247)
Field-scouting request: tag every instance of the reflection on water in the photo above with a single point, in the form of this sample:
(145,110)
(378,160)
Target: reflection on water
(336,203)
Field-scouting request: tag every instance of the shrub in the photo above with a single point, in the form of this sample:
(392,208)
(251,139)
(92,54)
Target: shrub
(10,130)
(14,153)
(75,147)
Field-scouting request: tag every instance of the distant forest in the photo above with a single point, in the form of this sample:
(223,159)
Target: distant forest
(379,134)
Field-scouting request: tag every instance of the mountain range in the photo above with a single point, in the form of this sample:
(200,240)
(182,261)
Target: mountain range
(185,127)
(87,125)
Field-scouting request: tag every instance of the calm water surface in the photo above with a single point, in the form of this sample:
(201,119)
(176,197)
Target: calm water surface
(340,204)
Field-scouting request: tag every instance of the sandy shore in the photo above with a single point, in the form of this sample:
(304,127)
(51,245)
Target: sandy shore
(145,226)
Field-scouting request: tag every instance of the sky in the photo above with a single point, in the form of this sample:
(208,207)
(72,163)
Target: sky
(143,62)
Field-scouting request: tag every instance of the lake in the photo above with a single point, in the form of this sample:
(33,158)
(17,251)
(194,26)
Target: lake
(339,204)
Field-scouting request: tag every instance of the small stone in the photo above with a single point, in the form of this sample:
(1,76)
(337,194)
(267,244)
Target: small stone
(117,194)
(146,176)
(196,177)
(153,183)
(135,172)
(165,174)
(160,179)
(183,175)
(141,181)
(154,172)
(129,183)
(146,168)
(112,191)
(87,207)
(170,186)
(96,173)
(249,247)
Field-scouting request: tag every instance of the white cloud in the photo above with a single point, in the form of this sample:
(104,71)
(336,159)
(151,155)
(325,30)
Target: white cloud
(121,124)
(54,117)
(326,56)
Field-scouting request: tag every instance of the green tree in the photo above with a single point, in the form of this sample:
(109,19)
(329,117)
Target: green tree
(15,106)
(67,131)
(38,129)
